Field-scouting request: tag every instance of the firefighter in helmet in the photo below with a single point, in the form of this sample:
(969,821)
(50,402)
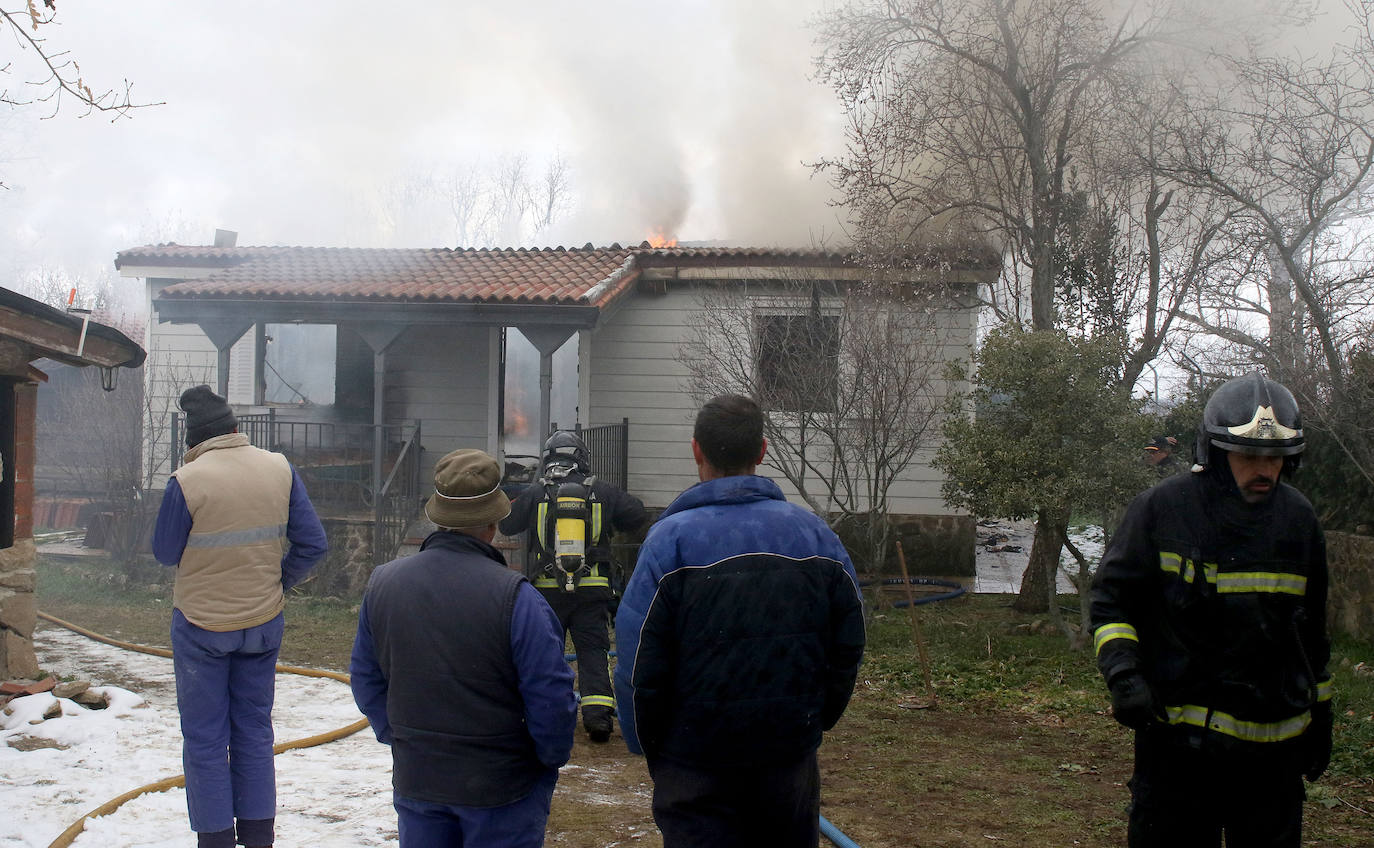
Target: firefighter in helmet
(570,516)
(1209,620)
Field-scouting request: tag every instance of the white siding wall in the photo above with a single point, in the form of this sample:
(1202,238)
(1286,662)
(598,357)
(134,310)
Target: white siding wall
(439,374)
(179,357)
(635,374)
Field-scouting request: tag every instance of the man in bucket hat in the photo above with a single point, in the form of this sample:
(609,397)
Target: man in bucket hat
(236,523)
(458,664)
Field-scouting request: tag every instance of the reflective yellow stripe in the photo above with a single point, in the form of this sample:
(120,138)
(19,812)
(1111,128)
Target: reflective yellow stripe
(1114,630)
(541,517)
(545,583)
(1325,690)
(1249,731)
(598,701)
(592,582)
(1262,581)
(596,524)
(1234,582)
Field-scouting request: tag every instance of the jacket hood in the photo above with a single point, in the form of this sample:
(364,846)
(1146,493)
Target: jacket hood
(725,490)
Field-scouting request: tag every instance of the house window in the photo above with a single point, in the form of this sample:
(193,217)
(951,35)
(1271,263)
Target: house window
(798,361)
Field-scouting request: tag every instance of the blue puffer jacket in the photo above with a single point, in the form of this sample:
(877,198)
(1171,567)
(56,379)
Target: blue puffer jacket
(740,632)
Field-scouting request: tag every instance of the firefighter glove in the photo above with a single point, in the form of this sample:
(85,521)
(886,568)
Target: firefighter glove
(1318,738)
(1133,703)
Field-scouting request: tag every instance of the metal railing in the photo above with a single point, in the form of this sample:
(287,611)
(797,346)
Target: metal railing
(338,463)
(398,502)
(609,445)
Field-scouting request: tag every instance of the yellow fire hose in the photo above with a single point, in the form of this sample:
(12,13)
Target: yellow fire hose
(69,835)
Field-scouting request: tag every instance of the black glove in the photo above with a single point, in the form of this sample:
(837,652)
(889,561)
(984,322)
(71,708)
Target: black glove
(1318,736)
(1133,704)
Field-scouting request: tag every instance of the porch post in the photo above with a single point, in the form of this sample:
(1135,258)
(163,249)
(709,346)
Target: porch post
(378,337)
(222,333)
(546,340)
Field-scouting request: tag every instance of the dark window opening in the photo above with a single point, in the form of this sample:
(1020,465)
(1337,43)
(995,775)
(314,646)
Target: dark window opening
(798,362)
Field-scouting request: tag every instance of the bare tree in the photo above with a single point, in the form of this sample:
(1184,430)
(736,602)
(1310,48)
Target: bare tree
(1287,148)
(52,76)
(850,375)
(120,462)
(499,203)
(971,115)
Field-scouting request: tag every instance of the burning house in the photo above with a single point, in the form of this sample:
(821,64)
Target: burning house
(366,365)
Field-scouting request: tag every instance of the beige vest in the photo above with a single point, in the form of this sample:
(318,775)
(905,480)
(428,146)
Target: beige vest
(239,497)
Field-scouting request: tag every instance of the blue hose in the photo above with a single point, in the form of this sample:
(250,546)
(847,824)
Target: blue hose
(958,589)
(835,835)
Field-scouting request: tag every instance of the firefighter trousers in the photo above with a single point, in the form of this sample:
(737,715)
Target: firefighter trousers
(1186,797)
(585,613)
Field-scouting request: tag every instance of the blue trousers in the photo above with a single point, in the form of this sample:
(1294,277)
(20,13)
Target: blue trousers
(519,824)
(225,685)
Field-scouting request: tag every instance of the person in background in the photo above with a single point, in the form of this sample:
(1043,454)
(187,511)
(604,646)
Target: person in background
(573,569)
(740,637)
(458,664)
(1159,454)
(238,526)
(1209,619)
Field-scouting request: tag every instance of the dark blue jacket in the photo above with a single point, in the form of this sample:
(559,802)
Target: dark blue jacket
(458,664)
(741,630)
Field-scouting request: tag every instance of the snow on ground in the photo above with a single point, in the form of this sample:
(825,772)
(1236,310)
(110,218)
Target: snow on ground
(1000,571)
(333,794)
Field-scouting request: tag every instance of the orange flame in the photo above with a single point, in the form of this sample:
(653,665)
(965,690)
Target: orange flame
(659,238)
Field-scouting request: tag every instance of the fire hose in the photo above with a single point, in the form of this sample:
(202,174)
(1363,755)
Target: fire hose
(65,839)
(69,835)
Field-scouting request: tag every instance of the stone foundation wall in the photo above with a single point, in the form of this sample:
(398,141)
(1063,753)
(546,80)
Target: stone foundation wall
(1350,603)
(18,611)
(344,571)
(934,546)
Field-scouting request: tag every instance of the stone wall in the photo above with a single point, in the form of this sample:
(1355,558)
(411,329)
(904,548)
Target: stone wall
(18,611)
(934,546)
(1350,604)
(345,569)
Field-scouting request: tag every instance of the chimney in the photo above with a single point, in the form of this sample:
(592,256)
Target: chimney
(226,238)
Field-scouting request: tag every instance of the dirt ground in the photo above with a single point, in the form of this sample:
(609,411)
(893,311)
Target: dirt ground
(894,778)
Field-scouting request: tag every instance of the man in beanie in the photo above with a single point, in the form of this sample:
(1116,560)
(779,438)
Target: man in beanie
(237,525)
(458,664)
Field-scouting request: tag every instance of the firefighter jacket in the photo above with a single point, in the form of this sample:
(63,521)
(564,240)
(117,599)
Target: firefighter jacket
(458,665)
(741,630)
(609,511)
(1221,606)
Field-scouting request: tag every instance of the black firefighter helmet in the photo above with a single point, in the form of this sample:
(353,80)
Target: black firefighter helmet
(565,447)
(1251,414)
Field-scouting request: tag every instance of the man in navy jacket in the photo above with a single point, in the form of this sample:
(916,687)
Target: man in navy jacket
(458,664)
(740,637)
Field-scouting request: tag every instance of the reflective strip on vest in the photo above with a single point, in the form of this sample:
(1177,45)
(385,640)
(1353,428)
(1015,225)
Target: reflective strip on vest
(596,522)
(1114,630)
(1235,582)
(541,517)
(1249,731)
(598,701)
(1325,690)
(235,538)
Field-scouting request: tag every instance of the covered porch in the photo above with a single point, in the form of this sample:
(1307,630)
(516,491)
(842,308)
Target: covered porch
(414,343)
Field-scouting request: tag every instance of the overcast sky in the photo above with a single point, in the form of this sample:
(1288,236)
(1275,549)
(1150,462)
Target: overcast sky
(288,121)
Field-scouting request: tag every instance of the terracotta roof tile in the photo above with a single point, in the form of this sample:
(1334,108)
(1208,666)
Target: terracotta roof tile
(586,276)
(438,275)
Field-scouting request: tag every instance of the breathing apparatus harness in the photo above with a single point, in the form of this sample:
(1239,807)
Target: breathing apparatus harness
(568,525)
